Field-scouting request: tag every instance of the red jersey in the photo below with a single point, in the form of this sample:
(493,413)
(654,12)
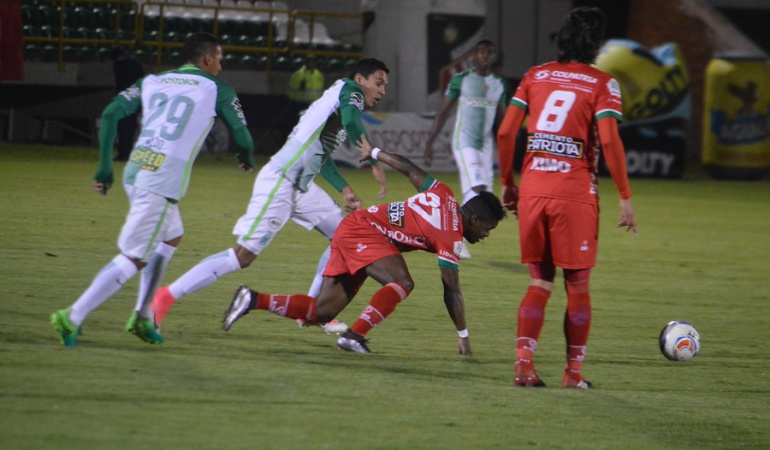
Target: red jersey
(427,221)
(564,102)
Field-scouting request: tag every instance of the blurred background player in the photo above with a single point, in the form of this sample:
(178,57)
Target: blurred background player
(370,243)
(127,71)
(574,110)
(482,96)
(180,107)
(305,86)
(284,189)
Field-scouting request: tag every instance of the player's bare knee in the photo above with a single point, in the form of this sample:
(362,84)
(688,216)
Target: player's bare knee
(407,284)
(174,242)
(245,256)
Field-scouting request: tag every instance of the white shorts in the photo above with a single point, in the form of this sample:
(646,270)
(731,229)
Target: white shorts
(151,219)
(274,201)
(475,167)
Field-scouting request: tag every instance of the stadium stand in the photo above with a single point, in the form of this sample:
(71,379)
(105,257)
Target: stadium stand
(258,34)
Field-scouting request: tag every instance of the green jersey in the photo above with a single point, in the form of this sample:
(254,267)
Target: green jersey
(178,110)
(477,106)
(321,130)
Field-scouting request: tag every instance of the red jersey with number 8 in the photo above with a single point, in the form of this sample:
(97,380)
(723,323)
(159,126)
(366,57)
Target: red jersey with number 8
(564,102)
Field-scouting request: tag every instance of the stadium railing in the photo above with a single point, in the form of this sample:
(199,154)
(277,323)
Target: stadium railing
(257,35)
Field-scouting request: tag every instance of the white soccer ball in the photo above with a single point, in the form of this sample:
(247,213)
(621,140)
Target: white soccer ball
(679,341)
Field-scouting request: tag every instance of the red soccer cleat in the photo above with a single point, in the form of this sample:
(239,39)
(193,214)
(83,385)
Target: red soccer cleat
(574,380)
(161,303)
(526,375)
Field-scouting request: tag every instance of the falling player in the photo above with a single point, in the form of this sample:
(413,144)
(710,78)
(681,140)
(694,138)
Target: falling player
(370,242)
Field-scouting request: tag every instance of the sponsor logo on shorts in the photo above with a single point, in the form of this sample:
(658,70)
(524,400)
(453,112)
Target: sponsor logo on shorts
(361,247)
(275,223)
(396,214)
(147,159)
(266,239)
(584,247)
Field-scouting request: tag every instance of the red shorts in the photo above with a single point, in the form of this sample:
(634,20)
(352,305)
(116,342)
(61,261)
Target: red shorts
(563,231)
(355,245)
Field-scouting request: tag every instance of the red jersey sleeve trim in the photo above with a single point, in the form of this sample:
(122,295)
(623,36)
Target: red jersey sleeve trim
(609,113)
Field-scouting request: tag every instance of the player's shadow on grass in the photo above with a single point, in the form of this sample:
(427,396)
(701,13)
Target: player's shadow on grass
(512,266)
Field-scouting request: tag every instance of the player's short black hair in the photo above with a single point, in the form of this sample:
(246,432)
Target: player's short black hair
(486,206)
(198,44)
(484,42)
(368,66)
(582,35)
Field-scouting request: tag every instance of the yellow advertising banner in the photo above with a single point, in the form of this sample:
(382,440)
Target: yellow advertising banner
(736,119)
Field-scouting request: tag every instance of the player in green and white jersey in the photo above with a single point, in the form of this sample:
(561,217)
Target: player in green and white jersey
(180,107)
(284,189)
(482,97)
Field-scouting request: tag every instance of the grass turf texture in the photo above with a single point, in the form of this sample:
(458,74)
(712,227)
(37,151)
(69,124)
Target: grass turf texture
(701,256)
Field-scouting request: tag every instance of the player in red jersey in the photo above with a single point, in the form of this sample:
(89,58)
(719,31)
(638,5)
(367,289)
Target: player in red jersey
(574,110)
(370,242)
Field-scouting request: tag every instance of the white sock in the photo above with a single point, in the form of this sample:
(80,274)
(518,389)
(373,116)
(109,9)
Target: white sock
(315,288)
(469,195)
(105,284)
(207,272)
(152,274)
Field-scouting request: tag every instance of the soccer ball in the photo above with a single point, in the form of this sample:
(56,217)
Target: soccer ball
(679,341)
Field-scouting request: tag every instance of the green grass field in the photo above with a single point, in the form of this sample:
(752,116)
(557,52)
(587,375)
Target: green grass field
(701,256)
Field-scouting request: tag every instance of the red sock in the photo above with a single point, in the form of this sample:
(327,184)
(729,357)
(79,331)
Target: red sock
(530,323)
(383,303)
(577,323)
(297,306)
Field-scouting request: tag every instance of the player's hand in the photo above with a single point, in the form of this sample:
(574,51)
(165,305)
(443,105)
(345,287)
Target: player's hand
(352,202)
(247,168)
(464,346)
(379,174)
(428,156)
(627,218)
(246,162)
(364,147)
(510,196)
(101,187)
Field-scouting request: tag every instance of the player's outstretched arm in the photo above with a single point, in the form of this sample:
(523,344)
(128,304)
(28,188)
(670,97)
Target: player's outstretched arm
(379,174)
(404,165)
(455,306)
(438,125)
(612,149)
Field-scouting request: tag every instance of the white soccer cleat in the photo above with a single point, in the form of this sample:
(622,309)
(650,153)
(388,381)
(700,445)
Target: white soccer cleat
(352,342)
(243,302)
(334,327)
